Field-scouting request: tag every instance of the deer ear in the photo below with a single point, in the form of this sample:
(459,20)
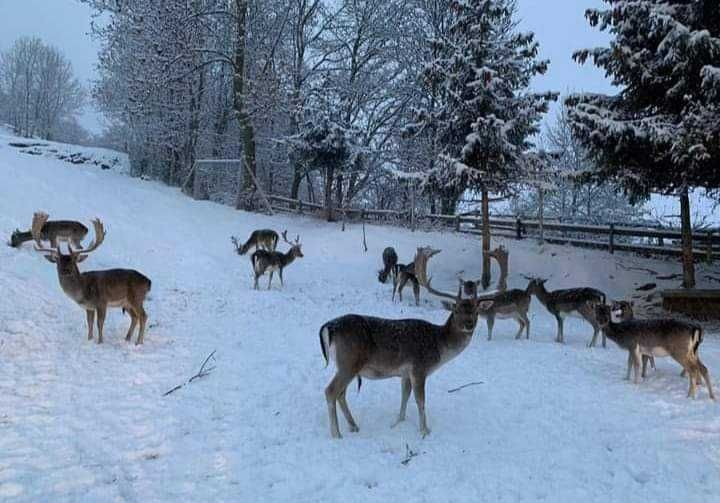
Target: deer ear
(50,258)
(450,306)
(81,258)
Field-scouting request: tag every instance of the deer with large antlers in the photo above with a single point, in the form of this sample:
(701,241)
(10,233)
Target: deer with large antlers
(264,261)
(505,304)
(261,239)
(379,348)
(95,291)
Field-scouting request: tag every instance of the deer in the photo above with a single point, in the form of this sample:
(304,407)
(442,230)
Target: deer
(379,348)
(390,260)
(658,337)
(53,231)
(578,302)
(95,291)
(402,275)
(500,254)
(261,239)
(264,261)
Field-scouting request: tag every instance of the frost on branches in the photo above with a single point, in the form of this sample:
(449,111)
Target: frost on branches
(481,114)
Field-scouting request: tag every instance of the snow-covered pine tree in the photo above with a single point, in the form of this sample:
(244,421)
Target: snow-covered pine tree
(661,131)
(482,114)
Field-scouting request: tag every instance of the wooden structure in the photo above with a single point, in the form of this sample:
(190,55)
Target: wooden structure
(703,304)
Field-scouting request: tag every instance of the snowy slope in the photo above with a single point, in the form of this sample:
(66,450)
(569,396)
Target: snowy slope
(82,422)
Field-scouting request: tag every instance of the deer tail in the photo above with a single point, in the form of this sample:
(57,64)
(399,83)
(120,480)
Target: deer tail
(325,337)
(697,338)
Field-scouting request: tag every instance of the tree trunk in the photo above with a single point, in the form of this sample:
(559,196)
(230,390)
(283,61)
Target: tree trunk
(247,131)
(485,279)
(687,243)
(329,177)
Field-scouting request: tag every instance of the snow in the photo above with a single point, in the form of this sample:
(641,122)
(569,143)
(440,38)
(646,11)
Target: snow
(87,422)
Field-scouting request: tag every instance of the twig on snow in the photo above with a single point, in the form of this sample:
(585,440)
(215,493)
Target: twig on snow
(204,371)
(641,269)
(465,386)
(364,240)
(409,454)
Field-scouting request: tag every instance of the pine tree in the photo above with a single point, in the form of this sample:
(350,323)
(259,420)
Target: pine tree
(661,132)
(482,115)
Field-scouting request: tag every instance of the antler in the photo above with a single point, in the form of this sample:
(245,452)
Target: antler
(99,238)
(285,238)
(421,259)
(38,221)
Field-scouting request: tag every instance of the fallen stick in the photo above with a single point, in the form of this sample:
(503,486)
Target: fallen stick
(465,386)
(641,269)
(201,373)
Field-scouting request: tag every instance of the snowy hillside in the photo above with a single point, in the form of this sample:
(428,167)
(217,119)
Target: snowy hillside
(83,422)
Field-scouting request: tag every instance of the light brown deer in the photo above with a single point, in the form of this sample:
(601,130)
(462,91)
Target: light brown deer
(378,348)
(264,261)
(659,337)
(500,254)
(261,239)
(54,231)
(95,291)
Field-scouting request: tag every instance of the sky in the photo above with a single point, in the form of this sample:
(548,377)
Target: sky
(559,25)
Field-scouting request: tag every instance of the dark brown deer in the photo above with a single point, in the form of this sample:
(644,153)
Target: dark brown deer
(659,337)
(54,231)
(95,291)
(579,302)
(378,348)
(261,239)
(390,260)
(264,261)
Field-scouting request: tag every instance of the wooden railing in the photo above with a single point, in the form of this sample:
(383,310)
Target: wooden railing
(644,240)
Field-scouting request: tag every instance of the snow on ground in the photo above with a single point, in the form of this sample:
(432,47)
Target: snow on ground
(83,422)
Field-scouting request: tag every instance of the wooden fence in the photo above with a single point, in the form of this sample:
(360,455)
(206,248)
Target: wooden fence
(643,240)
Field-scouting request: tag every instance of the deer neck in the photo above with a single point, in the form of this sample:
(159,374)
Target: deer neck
(453,338)
(73,285)
(542,294)
(287,258)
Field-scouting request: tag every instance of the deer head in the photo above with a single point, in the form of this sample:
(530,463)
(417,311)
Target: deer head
(295,246)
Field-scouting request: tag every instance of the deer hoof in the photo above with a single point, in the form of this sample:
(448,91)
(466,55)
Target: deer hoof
(425,432)
(397,422)
(354,428)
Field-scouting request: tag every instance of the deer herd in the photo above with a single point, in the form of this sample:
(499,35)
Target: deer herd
(378,348)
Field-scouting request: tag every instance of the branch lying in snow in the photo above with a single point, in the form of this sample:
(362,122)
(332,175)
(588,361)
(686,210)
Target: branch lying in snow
(409,454)
(465,386)
(201,373)
(641,269)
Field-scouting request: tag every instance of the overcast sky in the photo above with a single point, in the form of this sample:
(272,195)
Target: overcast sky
(559,25)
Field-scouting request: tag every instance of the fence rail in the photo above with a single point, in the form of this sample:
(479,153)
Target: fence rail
(644,240)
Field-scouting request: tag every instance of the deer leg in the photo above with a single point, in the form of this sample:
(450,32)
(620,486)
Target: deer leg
(281,278)
(270,280)
(560,337)
(255,285)
(490,324)
(403,280)
(629,365)
(133,322)
(346,411)
(636,364)
(692,374)
(418,386)
(338,385)
(645,360)
(100,322)
(142,315)
(90,320)
(521,322)
(416,293)
(527,325)
(395,285)
(406,389)
(706,377)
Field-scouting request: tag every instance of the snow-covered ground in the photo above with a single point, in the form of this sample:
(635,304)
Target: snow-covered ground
(83,422)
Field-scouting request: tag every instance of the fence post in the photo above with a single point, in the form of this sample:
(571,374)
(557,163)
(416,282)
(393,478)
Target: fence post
(300,208)
(710,247)
(611,244)
(457,223)
(518,228)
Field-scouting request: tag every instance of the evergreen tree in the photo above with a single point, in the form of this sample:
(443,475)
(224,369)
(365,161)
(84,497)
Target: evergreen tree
(483,114)
(661,132)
